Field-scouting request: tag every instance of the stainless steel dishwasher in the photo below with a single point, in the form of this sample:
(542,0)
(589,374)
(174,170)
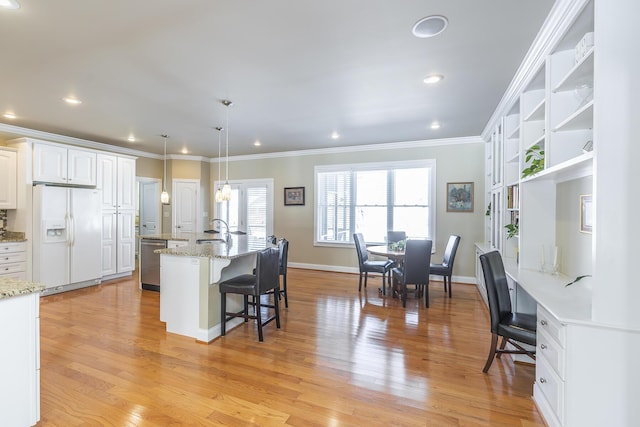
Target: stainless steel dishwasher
(150,263)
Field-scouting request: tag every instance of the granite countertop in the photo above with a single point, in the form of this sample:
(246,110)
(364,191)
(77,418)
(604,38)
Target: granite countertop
(239,246)
(10,287)
(12,236)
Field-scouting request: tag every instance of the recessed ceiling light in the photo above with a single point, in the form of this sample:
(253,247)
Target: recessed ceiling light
(9,4)
(9,115)
(430,26)
(435,125)
(335,135)
(433,78)
(257,143)
(71,100)
(184,150)
(131,138)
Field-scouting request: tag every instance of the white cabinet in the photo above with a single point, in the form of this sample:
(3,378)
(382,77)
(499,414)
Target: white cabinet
(13,260)
(7,178)
(116,179)
(59,164)
(20,360)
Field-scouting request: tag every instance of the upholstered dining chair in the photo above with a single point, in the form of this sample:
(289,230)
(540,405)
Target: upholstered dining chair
(367,266)
(265,280)
(396,236)
(415,269)
(446,268)
(283,249)
(514,328)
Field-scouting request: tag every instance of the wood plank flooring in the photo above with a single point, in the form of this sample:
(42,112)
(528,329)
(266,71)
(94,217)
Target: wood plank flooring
(342,358)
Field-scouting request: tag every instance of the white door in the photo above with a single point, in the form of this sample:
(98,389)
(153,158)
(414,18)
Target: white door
(185,205)
(149,194)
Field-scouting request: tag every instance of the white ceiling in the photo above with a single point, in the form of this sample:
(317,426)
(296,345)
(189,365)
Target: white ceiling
(296,70)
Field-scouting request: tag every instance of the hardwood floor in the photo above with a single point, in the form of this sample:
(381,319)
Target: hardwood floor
(341,359)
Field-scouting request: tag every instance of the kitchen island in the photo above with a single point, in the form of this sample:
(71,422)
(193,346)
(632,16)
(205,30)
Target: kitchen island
(189,279)
(20,355)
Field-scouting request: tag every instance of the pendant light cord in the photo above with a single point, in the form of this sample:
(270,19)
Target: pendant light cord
(164,173)
(227,149)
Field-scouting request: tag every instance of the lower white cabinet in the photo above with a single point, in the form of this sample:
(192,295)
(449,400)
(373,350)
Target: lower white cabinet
(13,260)
(20,360)
(118,242)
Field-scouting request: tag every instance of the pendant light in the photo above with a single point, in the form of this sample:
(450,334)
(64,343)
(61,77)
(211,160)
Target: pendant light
(164,197)
(226,188)
(219,190)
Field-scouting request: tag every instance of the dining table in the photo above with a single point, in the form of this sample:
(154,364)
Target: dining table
(386,251)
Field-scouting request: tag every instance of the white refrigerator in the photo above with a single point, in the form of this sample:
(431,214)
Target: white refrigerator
(67,238)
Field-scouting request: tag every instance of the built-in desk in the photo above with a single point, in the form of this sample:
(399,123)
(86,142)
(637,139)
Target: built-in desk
(189,279)
(587,373)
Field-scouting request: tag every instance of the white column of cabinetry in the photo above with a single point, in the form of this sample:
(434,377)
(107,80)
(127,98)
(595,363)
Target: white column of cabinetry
(116,179)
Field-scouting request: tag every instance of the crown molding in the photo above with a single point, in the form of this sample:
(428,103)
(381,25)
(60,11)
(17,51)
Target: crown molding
(359,148)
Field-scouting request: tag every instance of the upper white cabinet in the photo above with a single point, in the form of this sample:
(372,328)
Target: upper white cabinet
(7,178)
(59,164)
(116,179)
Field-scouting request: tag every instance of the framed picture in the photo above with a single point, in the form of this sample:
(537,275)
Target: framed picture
(586,218)
(294,196)
(459,196)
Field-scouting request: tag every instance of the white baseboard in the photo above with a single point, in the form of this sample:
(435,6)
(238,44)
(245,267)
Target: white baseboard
(355,270)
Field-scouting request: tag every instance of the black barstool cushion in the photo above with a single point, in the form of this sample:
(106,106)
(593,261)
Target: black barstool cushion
(242,284)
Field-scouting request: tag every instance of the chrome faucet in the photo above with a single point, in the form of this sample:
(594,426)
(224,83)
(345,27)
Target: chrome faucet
(227,235)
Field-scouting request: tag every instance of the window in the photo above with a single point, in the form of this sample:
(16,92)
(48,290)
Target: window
(250,208)
(371,198)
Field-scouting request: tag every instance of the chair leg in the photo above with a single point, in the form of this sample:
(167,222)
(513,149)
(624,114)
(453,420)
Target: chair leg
(360,282)
(366,276)
(286,294)
(503,344)
(426,295)
(246,308)
(258,313)
(223,313)
(404,295)
(492,352)
(449,279)
(276,305)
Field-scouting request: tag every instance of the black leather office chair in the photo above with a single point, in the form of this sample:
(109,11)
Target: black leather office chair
(265,280)
(366,266)
(446,268)
(415,269)
(514,328)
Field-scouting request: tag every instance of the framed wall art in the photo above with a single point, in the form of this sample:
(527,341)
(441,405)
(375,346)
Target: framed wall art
(586,219)
(294,196)
(459,196)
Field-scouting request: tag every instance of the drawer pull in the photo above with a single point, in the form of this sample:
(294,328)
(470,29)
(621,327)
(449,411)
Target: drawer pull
(542,380)
(543,322)
(543,346)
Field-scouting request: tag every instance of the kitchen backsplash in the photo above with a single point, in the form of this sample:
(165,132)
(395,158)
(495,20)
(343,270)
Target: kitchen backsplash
(3,221)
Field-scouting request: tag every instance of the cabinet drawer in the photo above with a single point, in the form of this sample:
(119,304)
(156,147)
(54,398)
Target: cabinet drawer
(551,326)
(551,386)
(21,275)
(551,351)
(12,268)
(6,248)
(11,257)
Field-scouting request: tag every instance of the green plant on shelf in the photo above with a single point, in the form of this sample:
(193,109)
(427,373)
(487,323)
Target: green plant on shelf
(488,212)
(512,230)
(534,157)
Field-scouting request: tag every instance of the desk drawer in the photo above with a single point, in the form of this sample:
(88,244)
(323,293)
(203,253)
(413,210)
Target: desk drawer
(12,257)
(6,248)
(549,349)
(551,326)
(551,386)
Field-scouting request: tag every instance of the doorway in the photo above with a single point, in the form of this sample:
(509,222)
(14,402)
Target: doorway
(148,209)
(185,205)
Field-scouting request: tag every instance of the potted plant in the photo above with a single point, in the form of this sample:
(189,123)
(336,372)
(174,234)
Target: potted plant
(534,157)
(512,230)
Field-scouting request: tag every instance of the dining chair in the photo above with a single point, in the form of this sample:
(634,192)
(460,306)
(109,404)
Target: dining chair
(396,236)
(514,328)
(283,249)
(366,266)
(446,268)
(265,279)
(415,269)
